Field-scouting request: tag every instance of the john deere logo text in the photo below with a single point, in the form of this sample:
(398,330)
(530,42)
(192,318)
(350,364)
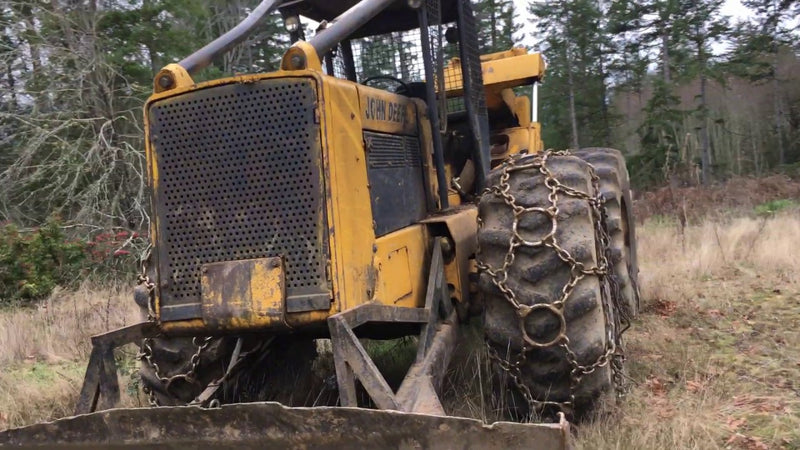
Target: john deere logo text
(379,109)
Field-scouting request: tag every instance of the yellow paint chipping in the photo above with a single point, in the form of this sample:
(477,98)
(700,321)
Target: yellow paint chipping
(243,294)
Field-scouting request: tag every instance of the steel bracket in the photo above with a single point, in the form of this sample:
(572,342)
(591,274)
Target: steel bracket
(100,385)
(438,335)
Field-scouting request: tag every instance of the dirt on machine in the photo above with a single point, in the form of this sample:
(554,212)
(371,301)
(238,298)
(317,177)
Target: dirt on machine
(387,182)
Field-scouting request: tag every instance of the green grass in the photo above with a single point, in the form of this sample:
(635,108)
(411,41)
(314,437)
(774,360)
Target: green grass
(774,206)
(43,374)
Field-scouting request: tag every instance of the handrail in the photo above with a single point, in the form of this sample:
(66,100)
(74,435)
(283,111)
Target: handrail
(347,23)
(203,57)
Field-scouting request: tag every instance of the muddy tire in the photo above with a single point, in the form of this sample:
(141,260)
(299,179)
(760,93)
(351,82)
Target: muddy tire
(609,164)
(280,372)
(537,277)
(173,357)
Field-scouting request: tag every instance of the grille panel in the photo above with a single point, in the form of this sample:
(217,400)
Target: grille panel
(387,150)
(239,178)
(396,179)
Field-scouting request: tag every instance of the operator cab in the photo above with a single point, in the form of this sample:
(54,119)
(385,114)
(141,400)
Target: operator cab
(429,50)
(387,51)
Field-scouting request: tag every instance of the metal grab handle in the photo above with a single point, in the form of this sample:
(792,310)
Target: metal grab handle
(346,24)
(203,57)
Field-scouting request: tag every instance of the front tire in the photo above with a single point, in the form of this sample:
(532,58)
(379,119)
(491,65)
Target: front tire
(165,361)
(554,346)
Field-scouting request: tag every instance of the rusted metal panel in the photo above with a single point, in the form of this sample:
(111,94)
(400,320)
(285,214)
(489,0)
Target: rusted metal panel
(271,425)
(109,384)
(395,276)
(372,312)
(243,294)
(90,392)
(240,176)
(462,224)
(437,300)
(420,388)
(318,302)
(126,335)
(351,360)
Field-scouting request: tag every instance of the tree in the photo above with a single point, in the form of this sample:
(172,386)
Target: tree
(675,34)
(496,25)
(575,98)
(762,41)
(704,28)
(77,73)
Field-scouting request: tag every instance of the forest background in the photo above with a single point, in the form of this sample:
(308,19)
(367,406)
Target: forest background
(689,95)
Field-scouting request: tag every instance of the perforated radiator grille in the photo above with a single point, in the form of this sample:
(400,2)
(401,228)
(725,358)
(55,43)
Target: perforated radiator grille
(239,177)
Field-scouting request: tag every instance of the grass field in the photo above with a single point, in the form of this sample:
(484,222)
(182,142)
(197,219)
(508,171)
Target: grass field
(44,350)
(714,359)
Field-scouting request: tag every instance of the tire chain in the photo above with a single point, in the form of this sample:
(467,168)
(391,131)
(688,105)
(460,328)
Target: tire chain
(146,357)
(146,353)
(615,324)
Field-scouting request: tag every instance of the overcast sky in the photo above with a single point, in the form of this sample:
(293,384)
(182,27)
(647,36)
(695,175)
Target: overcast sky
(732,8)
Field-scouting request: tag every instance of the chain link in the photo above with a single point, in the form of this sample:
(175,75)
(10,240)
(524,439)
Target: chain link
(144,279)
(146,357)
(610,297)
(146,353)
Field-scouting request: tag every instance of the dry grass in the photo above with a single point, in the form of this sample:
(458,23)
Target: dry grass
(43,351)
(739,195)
(714,359)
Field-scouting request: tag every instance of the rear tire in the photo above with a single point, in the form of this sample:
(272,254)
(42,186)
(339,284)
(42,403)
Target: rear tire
(609,164)
(536,277)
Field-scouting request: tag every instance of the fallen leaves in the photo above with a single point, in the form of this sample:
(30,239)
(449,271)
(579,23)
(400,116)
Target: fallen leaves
(694,386)
(656,386)
(745,442)
(665,308)
(762,404)
(734,424)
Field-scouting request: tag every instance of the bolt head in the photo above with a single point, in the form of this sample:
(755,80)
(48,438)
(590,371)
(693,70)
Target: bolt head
(166,81)
(447,246)
(297,62)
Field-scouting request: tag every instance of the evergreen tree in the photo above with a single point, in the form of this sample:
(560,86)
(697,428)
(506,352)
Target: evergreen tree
(760,44)
(660,27)
(496,26)
(704,28)
(575,95)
